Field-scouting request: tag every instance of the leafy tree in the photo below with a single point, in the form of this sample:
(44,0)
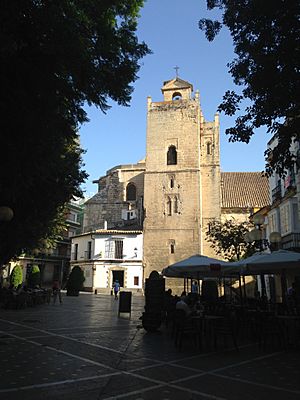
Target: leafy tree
(34,278)
(16,277)
(55,57)
(266,37)
(75,281)
(228,239)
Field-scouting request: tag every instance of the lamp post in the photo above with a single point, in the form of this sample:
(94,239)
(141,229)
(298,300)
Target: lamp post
(261,243)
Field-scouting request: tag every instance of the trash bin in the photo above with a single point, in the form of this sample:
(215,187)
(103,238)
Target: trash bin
(125,302)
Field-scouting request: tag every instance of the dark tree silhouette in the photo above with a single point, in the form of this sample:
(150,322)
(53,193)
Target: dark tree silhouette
(55,57)
(266,37)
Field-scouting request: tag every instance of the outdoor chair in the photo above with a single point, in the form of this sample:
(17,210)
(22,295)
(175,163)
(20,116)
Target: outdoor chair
(184,326)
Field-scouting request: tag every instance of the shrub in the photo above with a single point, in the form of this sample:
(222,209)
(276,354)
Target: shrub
(75,281)
(34,277)
(16,277)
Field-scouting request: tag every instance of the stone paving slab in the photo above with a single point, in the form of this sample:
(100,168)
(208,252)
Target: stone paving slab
(82,350)
(236,390)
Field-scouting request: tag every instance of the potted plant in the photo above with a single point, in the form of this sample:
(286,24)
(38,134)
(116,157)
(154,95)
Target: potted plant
(34,278)
(16,277)
(75,281)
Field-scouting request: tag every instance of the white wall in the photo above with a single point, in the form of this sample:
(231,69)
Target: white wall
(101,276)
(132,271)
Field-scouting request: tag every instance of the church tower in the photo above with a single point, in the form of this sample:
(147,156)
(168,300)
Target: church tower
(182,177)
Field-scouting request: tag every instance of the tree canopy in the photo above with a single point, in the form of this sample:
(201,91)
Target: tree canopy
(266,38)
(228,239)
(55,57)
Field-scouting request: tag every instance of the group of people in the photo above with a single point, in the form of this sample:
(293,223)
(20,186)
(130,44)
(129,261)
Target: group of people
(189,303)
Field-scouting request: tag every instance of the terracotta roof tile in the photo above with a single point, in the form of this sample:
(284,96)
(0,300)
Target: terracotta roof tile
(244,189)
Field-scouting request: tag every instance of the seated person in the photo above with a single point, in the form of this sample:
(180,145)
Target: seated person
(182,304)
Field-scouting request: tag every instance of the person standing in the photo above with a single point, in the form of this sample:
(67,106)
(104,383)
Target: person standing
(195,287)
(56,291)
(116,287)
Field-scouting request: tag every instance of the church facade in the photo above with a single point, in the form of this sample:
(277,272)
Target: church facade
(178,189)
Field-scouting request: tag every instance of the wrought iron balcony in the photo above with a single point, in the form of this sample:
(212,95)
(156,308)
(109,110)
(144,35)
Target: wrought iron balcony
(276,193)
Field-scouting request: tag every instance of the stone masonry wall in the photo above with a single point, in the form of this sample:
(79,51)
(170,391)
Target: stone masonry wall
(210,178)
(172,123)
(108,203)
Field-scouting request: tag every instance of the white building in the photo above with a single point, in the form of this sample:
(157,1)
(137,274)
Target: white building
(106,255)
(283,216)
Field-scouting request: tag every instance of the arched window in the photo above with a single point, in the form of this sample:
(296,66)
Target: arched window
(169,206)
(176,205)
(176,96)
(208,148)
(131,192)
(172,156)
(171,183)
(172,246)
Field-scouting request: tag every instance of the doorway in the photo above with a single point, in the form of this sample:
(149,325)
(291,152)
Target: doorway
(118,275)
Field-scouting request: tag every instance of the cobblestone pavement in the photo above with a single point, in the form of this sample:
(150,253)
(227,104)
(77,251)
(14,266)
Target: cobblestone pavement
(83,350)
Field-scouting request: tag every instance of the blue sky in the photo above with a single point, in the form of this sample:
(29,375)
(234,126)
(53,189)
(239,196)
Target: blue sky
(170,28)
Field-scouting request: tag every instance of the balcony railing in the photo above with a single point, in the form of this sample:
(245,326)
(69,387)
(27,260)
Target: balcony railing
(276,193)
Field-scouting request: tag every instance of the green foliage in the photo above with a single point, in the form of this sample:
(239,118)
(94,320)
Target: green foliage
(34,278)
(266,37)
(76,279)
(55,57)
(16,277)
(228,239)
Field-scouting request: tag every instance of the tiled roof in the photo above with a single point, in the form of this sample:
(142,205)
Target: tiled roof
(111,232)
(176,83)
(244,189)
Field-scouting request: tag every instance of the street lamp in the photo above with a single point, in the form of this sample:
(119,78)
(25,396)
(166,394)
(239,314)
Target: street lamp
(6,214)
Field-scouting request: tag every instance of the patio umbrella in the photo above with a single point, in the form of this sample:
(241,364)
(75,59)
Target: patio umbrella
(199,266)
(269,263)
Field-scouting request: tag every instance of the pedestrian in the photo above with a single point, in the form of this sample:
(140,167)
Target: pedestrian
(116,287)
(195,287)
(56,291)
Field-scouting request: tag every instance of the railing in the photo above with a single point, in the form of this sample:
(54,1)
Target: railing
(276,193)
(111,255)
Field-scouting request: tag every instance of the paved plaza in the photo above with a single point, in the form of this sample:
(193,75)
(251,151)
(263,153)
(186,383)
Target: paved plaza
(83,350)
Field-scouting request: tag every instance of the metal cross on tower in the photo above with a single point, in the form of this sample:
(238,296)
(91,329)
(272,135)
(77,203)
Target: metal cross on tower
(176,69)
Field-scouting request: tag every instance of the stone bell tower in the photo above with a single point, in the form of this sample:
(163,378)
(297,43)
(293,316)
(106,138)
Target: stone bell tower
(182,177)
